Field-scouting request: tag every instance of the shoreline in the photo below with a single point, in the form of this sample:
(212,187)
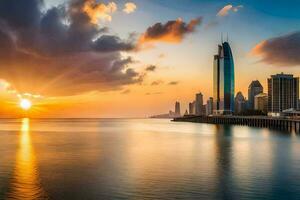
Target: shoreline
(287,124)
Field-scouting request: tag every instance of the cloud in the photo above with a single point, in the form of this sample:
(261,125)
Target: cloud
(127,91)
(61,51)
(99,11)
(109,43)
(4,85)
(153,93)
(283,50)
(170,32)
(129,7)
(173,83)
(151,68)
(158,82)
(226,9)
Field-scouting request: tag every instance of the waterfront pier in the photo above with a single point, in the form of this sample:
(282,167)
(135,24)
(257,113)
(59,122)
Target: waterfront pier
(285,124)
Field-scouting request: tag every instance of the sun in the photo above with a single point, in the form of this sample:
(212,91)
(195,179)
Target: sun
(25,104)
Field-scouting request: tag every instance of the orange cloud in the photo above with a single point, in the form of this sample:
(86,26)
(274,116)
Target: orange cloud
(99,11)
(129,7)
(170,32)
(258,49)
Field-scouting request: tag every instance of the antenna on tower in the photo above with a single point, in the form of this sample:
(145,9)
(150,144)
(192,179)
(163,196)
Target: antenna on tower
(227,37)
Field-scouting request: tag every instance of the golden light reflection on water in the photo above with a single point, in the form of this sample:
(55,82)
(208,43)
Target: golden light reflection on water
(25,182)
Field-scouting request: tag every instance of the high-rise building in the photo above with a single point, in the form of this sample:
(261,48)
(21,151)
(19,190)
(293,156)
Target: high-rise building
(254,89)
(209,106)
(199,104)
(192,108)
(177,108)
(223,85)
(261,102)
(239,103)
(283,93)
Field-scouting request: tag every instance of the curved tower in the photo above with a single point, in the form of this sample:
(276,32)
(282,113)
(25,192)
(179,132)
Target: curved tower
(224,80)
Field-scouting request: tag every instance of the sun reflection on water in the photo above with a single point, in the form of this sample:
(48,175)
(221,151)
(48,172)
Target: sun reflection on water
(25,182)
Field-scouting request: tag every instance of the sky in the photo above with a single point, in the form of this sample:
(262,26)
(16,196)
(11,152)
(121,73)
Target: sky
(90,58)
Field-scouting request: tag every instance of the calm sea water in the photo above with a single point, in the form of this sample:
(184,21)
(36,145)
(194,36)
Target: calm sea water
(145,159)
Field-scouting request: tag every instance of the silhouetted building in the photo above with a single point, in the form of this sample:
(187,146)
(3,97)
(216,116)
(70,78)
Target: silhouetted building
(239,103)
(192,108)
(223,84)
(254,89)
(261,102)
(186,112)
(177,109)
(209,106)
(199,104)
(283,93)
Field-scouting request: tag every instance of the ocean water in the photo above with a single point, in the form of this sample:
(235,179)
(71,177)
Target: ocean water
(145,159)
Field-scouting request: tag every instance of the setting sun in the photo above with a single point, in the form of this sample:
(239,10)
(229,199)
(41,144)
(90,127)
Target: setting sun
(25,104)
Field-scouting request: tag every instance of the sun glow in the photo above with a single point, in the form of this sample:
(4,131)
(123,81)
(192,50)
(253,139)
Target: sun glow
(25,104)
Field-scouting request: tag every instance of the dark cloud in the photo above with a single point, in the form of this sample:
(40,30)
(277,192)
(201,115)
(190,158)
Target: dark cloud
(282,51)
(109,43)
(126,91)
(151,68)
(172,31)
(173,83)
(60,51)
(158,82)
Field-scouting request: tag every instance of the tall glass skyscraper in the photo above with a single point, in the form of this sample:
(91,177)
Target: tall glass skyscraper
(223,80)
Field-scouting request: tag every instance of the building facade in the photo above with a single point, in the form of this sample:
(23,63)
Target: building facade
(177,109)
(283,93)
(239,103)
(254,89)
(192,108)
(199,104)
(261,102)
(209,106)
(223,80)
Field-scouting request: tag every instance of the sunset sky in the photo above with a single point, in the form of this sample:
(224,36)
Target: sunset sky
(88,58)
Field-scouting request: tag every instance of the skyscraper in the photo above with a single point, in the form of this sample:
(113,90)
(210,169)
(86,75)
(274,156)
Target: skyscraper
(261,102)
(283,93)
(223,85)
(254,89)
(240,103)
(177,109)
(199,104)
(192,108)
(209,106)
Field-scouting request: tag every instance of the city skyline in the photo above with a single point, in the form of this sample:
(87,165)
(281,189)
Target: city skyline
(114,70)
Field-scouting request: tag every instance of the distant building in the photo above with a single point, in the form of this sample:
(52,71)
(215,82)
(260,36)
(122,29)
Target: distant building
(283,93)
(261,102)
(209,106)
(177,109)
(186,113)
(192,108)
(223,80)
(239,103)
(254,89)
(199,104)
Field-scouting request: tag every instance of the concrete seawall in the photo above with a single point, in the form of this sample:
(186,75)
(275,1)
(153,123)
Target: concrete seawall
(286,124)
